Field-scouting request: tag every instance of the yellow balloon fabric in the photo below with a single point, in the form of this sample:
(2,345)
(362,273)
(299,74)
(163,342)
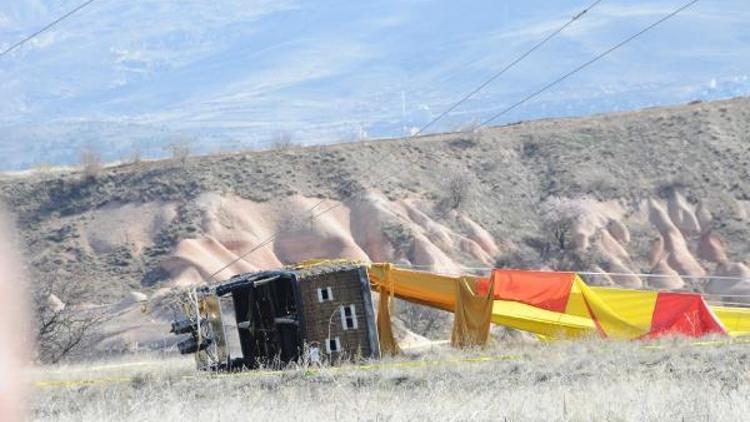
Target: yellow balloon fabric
(472,315)
(603,311)
(473,312)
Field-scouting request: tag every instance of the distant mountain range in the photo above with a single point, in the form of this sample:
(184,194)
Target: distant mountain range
(122,77)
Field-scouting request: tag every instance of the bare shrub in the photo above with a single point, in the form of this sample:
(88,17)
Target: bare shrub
(675,183)
(136,156)
(458,191)
(400,237)
(62,329)
(180,150)
(43,168)
(559,217)
(356,134)
(463,142)
(424,320)
(470,127)
(348,189)
(529,147)
(520,258)
(556,245)
(282,140)
(91,163)
(600,182)
(178,302)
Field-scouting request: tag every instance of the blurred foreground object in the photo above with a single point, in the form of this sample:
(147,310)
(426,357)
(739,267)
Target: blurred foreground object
(14,332)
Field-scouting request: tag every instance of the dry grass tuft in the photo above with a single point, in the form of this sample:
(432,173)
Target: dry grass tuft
(91,164)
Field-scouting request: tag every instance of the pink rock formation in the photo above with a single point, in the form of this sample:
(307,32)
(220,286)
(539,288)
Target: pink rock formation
(367,228)
(479,235)
(600,279)
(681,214)
(600,228)
(656,251)
(378,213)
(448,240)
(428,256)
(329,236)
(667,278)
(712,248)
(705,219)
(113,226)
(357,230)
(608,245)
(624,277)
(678,255)
(736,287)
(619,231)
(195,260)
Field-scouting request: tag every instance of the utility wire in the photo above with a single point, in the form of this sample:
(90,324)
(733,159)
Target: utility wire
(47,27)
(487,82)
(346,187)
(507,67)
(588,63)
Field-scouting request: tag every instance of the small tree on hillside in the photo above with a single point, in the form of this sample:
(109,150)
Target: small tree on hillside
(61,329)
(136,155)
(458,190)
(282,140)
(556,245)
(559,219)
(523,257)
(180,150)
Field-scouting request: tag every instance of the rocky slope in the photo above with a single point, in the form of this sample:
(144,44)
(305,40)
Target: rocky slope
(657,191)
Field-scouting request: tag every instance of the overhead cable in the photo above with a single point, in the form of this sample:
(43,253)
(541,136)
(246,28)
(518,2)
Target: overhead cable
(587,64)
(46,28)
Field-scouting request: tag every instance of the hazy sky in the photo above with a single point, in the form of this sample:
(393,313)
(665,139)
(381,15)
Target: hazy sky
(335,69)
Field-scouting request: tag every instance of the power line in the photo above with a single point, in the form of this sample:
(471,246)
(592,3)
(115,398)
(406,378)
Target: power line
(508,66)
(346,186)
(47,27)
(588,63)
(488,81)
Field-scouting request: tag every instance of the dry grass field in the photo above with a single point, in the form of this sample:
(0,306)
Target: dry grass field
(591,380)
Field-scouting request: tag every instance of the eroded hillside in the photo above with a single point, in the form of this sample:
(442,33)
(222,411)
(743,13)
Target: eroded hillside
(661,191)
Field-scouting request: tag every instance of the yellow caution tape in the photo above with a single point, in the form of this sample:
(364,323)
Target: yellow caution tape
(260,373)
